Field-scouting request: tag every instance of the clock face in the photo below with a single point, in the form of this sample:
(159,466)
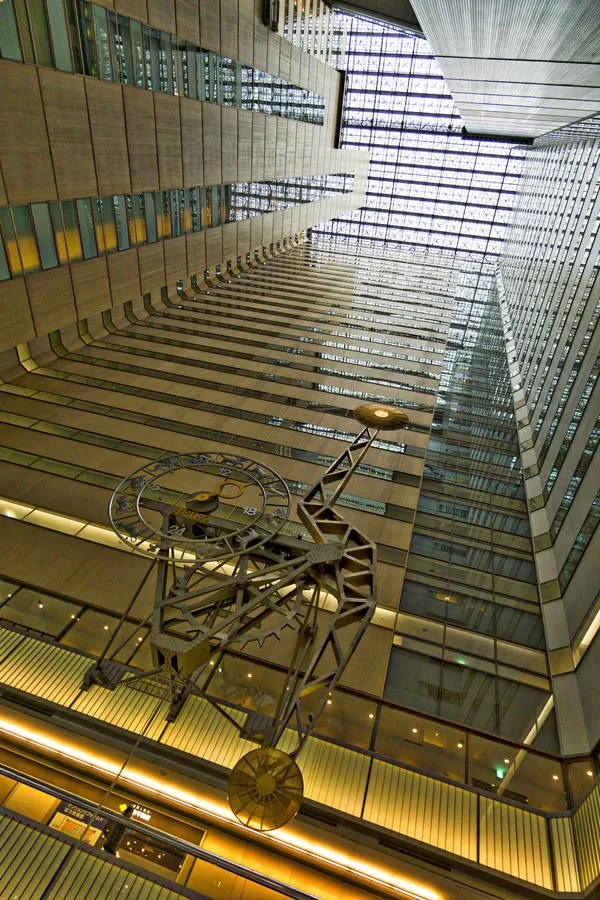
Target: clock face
(200,505)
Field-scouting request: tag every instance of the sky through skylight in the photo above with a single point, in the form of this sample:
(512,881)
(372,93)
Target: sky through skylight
(428,188)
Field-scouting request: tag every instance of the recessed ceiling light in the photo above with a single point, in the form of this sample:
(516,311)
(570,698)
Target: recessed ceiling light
(555,777)
(414,731)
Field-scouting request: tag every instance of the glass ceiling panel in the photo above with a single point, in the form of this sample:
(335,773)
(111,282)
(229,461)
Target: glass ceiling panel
(428,189)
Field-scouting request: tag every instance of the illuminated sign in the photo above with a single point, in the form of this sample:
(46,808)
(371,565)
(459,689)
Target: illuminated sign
(141,812)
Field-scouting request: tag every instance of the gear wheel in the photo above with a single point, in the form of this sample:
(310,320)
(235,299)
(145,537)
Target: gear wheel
(278,613)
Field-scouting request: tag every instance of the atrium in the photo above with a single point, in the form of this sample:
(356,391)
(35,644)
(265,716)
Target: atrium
(299,465)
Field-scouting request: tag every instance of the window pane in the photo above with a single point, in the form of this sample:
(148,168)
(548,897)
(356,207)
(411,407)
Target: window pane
(24,31)
(152,39)
(178,51)
(137,651)
(216,204)
(45,236)
(29,608)
(203,208)
(150,217)
(91,631)
(102,43)
(72,235)
(413,679)
(27,243)
(86,224)
(59,233)
(189,74)
(209,207)
(524,777)
(41,33)
(9,36)
(194,209)
(163,214)
(4,270)
(202,75)
(73,26)
(121,222)
(175,213)
(98,226)
(10,241)
(138,220)
(166,63)
(421,742)
(124,54)
(60,35)
(137,50)
(110,227)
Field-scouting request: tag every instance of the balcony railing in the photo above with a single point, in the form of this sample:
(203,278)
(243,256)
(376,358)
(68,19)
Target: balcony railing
(39,861)
(549,849)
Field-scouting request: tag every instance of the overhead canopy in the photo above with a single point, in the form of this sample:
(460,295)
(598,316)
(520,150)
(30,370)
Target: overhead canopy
(517,67)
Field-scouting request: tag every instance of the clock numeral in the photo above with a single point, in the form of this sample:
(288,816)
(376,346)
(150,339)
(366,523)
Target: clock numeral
(224,471)
(176,529)
(250,510)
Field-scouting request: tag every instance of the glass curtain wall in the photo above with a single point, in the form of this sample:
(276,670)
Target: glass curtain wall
(470,568)
(47,235)
(469,644)
(78,36)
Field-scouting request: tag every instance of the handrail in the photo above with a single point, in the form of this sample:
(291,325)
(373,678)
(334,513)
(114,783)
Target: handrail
(357,692)
(178,843)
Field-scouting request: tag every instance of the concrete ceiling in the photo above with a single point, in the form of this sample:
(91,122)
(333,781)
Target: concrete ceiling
(516,67)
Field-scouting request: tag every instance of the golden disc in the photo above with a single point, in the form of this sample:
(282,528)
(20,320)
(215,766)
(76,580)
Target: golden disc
(381,416)
(265,789)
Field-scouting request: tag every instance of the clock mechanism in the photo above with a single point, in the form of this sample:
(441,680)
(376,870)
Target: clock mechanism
(233,572)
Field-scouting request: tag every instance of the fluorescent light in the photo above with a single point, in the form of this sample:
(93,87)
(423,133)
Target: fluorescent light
(285,837)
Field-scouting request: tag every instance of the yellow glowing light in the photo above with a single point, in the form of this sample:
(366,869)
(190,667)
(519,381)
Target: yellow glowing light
(507,761)
(285,836)
(382,414)
(590,773)
(249,674)
(414,731)
(460,745)
(371,716)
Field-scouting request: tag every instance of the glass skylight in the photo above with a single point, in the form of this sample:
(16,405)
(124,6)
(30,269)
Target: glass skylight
(428,188)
